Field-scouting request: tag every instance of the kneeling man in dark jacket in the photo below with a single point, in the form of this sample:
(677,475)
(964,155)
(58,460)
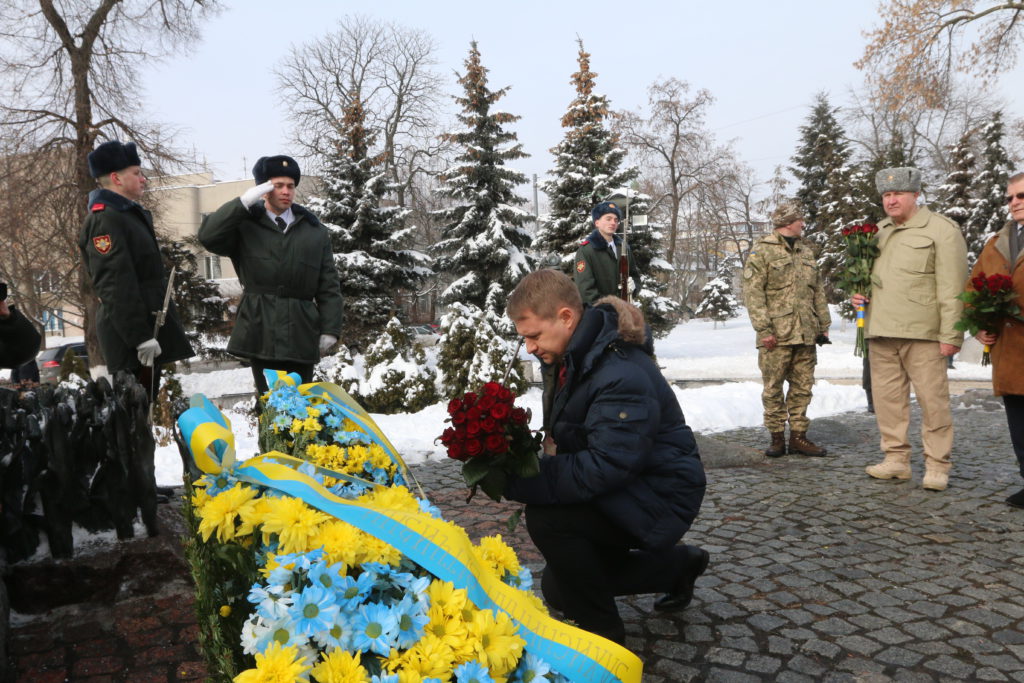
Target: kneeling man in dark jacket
(621,480)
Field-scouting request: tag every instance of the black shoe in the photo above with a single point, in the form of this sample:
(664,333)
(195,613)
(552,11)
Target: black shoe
(696,562)
(1016,500)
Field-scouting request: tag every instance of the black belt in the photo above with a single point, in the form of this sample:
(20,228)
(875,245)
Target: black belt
(281,291)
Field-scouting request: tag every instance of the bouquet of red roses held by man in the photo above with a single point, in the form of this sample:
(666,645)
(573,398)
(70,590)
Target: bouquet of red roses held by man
(492,438)
(989,299)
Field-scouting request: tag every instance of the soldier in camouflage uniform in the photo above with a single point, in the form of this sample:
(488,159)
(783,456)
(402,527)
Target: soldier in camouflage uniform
(785,298)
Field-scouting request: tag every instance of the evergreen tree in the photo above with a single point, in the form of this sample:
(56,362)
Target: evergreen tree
(988,214)
(954,196)
(587,169)
(831,189)
(483,242)
(396,377)
(368,239)
(717,299)
(198,301)
(646,245)
(475,349)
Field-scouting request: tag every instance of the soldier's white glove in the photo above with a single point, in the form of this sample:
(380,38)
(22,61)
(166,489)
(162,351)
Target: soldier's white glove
(630,286)
(148,351)
(254,194)
(326,342)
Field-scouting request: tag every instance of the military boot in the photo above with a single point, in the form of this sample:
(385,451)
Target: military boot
(799,443)
(778,447)
(893,467)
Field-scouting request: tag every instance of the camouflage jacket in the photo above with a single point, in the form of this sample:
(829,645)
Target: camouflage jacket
(783,292)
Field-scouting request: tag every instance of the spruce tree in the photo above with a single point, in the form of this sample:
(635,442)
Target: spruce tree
(954,196)
(483,243)
(198,301)
(717,299)
(368,239)
(831,189)
(396,377)
(587,169)
(988,214)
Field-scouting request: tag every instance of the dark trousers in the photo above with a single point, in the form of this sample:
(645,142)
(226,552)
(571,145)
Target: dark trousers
(149,378)
(590,561)
(303,370)
(1014,404)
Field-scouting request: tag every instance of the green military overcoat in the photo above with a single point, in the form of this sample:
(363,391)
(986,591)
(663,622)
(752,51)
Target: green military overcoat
(291,292)
(120,251)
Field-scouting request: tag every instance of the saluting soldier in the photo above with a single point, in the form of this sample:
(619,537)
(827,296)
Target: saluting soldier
(121,255)
(597,259)
(290,313)
(785,299)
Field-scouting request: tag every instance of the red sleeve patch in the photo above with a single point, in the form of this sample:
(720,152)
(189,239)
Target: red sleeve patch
(103,243)
(581,266)
(585,242)
(98,206)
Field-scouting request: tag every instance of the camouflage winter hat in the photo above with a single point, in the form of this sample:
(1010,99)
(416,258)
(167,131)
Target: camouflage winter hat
(902,179)
(788,211)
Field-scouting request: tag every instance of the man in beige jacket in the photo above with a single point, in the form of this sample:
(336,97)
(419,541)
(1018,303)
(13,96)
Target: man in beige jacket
(910,322)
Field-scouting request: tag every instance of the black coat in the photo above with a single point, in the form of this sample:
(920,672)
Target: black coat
(292,293)
(596,268)
(121,254)
(19,340)
(623,443)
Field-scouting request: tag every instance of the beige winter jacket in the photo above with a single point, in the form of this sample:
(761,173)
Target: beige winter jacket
(916,279)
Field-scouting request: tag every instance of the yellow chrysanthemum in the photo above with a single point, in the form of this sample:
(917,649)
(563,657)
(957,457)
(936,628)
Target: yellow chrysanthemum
(252,516)
(311,424)
(339,541)
(497,645)
(274,563)
(277,665)
(430,658)
(391,498)
(444,595)
(199,496)
(340,667)
(379,458)
(222,511)
(376,550)
(312,412)
(449,629)
(535,602)
(350,426)
(294,522)
(495,554)
(355,457)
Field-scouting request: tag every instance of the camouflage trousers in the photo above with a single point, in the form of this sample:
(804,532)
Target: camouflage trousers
(793,364)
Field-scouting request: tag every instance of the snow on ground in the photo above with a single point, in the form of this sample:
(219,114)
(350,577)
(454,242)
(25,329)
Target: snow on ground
(696,350)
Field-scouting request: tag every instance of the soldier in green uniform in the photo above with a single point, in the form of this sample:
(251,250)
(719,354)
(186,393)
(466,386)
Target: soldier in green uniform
(597,259)
(291,309)
(119,247)
(784,296)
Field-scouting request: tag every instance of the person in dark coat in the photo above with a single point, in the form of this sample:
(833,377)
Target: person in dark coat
(121,254)
(621,480)
(597,259)
(19,338)
(290,313)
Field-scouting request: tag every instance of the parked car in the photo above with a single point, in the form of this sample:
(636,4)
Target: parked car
(424,334)
(49,360)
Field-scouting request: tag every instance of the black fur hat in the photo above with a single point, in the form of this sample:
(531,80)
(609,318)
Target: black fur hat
(603,208)
(112,156)
(275,167)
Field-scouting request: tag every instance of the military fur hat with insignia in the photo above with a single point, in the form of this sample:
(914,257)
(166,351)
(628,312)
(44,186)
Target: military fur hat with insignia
(788,211)
(901,179)
(603,208)
(111,156)
(276,167)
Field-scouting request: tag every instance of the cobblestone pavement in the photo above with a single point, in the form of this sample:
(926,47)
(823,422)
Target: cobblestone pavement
(819,573)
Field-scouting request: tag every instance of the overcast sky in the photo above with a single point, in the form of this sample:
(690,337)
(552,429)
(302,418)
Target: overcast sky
(762,61)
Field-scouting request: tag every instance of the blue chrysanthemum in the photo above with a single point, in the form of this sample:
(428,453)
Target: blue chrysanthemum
(412,619)
(272,602)
(374,629)
(313,610)
(326,575)
(426,506)
(532,669)
(352,592)
(281,631)
(339,635)
(473,672)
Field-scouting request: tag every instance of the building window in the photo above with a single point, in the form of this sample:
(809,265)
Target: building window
(52,322)
(211,266)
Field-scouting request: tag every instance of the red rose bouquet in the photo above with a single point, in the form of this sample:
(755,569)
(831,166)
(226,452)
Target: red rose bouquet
(990,299)
(855,277)
(492,438)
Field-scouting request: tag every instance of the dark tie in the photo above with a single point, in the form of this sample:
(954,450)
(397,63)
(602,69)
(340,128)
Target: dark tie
(281,224)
